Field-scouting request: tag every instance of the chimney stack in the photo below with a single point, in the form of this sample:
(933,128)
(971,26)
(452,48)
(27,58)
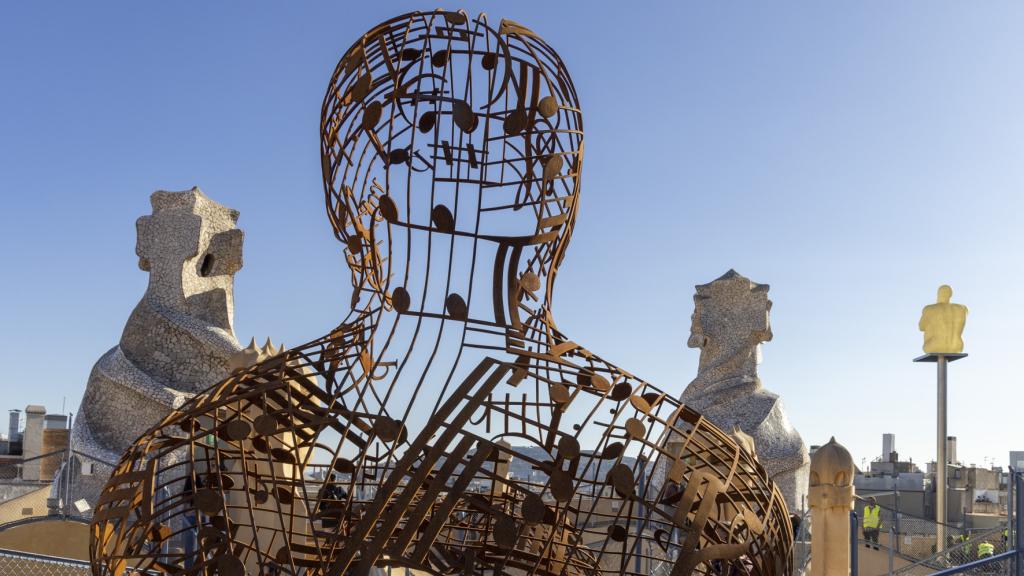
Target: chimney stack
(12,430)
(888,446)
(32,442)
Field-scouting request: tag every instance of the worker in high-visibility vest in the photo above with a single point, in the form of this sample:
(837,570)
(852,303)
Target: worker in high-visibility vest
(872,523)
(963,551)
(985,549)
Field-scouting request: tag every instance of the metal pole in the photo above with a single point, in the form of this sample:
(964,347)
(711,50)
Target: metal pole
(1018,533)
(1010,481)
(892,536)
(853,543)
(67,469)
(896,520)
(940,458)
(66,500)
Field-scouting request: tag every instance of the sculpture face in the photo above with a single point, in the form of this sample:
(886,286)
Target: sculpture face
(438,128)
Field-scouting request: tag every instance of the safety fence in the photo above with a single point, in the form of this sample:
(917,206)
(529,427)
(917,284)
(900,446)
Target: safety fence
(910,543)
(989,551)
(56,483)
(963,550)
(13,563)
(802,543)
(913,537)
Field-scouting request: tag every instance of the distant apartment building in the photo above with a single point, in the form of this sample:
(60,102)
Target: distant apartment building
(32,451)
(975,496)
(1017,460)
(895,484)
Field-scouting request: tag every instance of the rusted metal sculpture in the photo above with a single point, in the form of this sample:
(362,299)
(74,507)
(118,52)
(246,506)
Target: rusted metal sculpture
(451,156)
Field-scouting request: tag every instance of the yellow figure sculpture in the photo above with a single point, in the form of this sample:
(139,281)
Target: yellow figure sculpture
(943,324)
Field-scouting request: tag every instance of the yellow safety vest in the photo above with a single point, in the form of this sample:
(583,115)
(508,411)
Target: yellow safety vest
(986,549)
(871,517)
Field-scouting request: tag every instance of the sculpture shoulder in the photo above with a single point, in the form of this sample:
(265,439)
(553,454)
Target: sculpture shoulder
(930,313)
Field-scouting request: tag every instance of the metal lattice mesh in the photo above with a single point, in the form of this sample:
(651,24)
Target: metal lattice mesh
(963,549)
(22,564)
(913,539)
(41,486)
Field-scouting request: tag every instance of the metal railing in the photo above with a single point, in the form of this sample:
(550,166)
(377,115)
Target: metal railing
(52,484)
(33,470)
(998,564)
(1010,561)
(913,537)
(13,563)
(959,553)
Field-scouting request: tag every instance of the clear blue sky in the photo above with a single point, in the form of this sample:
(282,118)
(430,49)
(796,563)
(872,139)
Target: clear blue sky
(852,155)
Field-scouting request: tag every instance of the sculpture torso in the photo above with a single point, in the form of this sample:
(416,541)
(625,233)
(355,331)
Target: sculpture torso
(943,325)
(451,156)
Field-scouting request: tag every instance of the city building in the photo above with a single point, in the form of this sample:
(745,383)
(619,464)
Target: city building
(975,496)
(1017,460)
(33,451)
(895,484)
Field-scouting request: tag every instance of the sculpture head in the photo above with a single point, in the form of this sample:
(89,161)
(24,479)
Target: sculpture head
(440,132)
(945,294)
(731,312)
(192,250)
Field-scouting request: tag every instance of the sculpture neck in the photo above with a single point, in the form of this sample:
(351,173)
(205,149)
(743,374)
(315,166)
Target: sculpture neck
(207,300)
(501,298)
(165,286)
(501,315)
(722,367)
